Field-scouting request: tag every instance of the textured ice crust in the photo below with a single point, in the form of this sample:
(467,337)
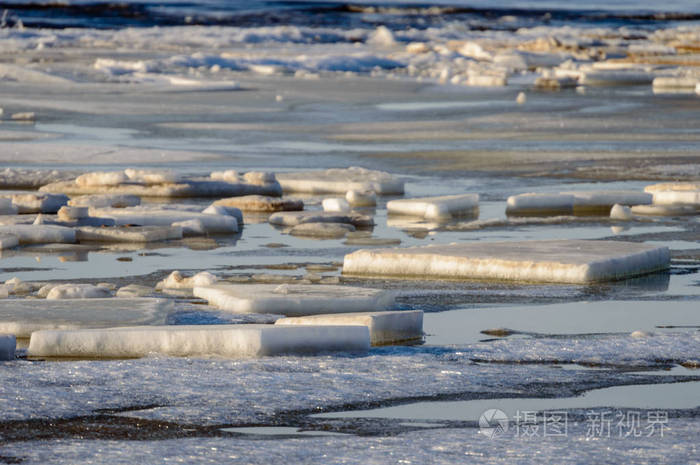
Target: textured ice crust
(339,181)
(384,327)
(442,207)
(198,341)
(294,299)
(574,261)
(22,317)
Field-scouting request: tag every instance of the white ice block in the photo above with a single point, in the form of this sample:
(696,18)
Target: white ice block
(295,218)
(294,299)
(148,216)
(7,241)
(199,341)
(66,213)
(21,317)
(39,203)
(384,327)
(8,344)
(39,233)
(573,202)
(675,193)
(101,178)
(559,261)
(442,207)
(261,203)
(225,211)
(335,205)
(105,200)
(677,82)
(361,198)
(128,234)
(175,280)
(151,176)
(339,181)
(77,291)
(621,212)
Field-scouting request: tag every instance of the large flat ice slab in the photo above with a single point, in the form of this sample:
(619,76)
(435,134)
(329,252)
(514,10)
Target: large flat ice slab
(150,216)
(441,207)
(128,234)
(199,340)
(573,202)
(558,261)
(39,233)
(384,327)
(301,217)
(339,181)
(675,193)
(21,317)
(261,203)
(294,299)
(8,344)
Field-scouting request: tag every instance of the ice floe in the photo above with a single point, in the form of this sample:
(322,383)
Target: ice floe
(436,208)
(575,202)
(621,212)
(297,218)
(322,230)
(39,233)
(294,299)
(158,216)
(128,234)
(101,201)
(133,290)
(361,198)
(22,317)
(8,344)
(260,203)
(679,193)
(197,341)
(13,178)
(339,181)
(39,203)
(335,205)
(77,291)
(384,327)
(562,261)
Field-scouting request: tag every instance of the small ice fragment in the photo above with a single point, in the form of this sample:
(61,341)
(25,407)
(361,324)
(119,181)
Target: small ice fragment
(66,213)
(436,208)
(279,98)
(336,205)
(640,334)
(24,116)
(281,289)
(382,37)
(361,198)
(521,98)
(621,212)
(176,281)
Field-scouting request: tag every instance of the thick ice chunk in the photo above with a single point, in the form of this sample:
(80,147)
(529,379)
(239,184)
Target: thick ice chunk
(442,207)
(39,203)
(66,213)
(339,181)
(675,193)
(128,234)
(39,233)
(261,203)
(106,200)
(7,241)
(12,178)
(101,178)
(151,176)
(21,317)
(294,299)
(197,341)
(361,198)
(77,291)
(8,344)
(134,290)
(676,82)
(384,327)
(621,212)
(335,205)
(226,211)
(322,230)
(175,280)
(562,261)
(149,216)
(573,202)
(296,218)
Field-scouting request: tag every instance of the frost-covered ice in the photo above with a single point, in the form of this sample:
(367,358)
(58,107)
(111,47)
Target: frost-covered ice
(101,201)
(156,216)
(128,234)
(40,233)
(77,291)
(297,218)
(384,327)
(260,203)
(295,299)
(175,280)
(675,193)
(21,317)
(8,344)
(197,341)
(562,261)
(432,208)
(575,202)
(339,181)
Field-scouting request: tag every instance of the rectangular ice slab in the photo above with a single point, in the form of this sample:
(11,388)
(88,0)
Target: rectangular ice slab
(675,193)
(294,300)
(574,202)
(21,317)
(148,216)
(199,340)
(446,206)
(39,233)
(384,327)
(128,234)
(563,261)
(339,181)
(8,344)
